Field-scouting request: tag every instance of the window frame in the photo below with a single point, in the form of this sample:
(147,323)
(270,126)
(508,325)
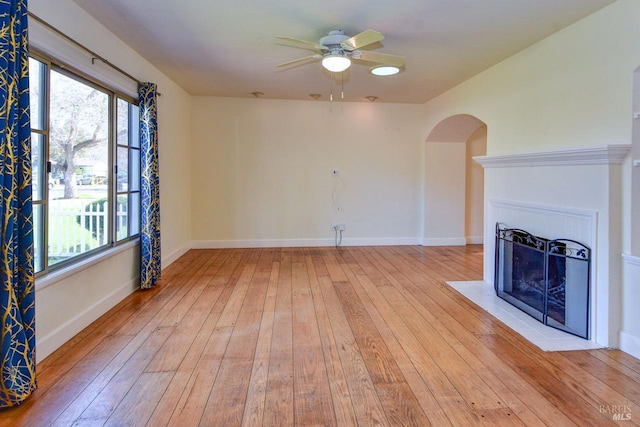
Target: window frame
(130,148)
(51,64)
(44,173)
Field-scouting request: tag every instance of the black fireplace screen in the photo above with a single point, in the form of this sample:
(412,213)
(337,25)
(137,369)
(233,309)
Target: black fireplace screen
(547,279)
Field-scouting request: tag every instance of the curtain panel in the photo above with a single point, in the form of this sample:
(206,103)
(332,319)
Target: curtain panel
(17,296)
(150,266)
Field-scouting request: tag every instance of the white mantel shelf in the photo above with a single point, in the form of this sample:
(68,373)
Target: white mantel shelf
(607,155)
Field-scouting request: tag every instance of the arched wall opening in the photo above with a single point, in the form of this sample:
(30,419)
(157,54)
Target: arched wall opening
(454,183)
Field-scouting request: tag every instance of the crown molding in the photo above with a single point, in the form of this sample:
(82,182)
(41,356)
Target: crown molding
(607,155)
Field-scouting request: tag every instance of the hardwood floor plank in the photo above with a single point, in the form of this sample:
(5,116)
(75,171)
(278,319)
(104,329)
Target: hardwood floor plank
(593,390)
(279,409)
(110,396)
(425,398)
(176,394)
(380,364)
(623,362)
(400,404)
(471,386)
(627,384)
(226,401)
(194,309)
(342,405)
(312,396)
(320,336)
(547,384)
(257,392)
(192,403)
(366,404)
(448,397)
(196,394)
(141,400)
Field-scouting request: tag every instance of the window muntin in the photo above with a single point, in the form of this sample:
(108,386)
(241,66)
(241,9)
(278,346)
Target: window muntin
(76,137)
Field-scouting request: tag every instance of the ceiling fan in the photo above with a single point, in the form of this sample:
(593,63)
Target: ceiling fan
(337,49)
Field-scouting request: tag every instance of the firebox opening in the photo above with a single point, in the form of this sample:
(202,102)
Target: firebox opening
(547,279)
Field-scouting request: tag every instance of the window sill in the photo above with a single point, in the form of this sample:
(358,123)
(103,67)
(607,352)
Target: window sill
(59,275)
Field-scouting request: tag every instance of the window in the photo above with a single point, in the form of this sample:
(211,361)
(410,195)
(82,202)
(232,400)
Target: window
(86,166)
(127,170)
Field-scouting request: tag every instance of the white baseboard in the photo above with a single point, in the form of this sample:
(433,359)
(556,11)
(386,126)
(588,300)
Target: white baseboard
(444,241)
(475,240)
(630,344)
(173,257)
(63,333)
(299,243)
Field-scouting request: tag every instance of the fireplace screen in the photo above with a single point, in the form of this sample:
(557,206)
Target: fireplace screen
(547,279)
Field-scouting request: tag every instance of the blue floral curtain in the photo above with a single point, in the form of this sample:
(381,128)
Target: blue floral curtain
(150,266)
(17,296)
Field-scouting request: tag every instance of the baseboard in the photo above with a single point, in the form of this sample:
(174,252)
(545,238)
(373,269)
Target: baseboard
(444,241)
(630,344)
(298,243)
(63,333)
(173,257)
(475,240)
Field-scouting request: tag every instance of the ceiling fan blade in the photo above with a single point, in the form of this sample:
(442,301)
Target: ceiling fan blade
(306,58)
(381,58)
(304,43)
(363,39)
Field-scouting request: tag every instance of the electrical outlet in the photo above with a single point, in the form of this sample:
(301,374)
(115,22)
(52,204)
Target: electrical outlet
(338,227)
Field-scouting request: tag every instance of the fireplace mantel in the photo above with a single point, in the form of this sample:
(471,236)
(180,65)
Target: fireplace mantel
(609,154)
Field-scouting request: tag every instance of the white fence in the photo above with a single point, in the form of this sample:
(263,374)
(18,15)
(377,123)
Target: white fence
(78,226)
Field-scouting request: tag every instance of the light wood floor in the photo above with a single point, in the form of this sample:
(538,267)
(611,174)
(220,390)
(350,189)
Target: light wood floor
(320,337)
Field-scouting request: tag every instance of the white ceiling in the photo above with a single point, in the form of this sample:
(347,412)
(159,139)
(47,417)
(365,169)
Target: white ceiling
(229,47)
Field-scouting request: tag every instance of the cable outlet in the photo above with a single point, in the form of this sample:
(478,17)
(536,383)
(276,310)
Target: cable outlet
(338,227)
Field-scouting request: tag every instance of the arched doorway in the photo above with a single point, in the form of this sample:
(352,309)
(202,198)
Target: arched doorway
(454,183)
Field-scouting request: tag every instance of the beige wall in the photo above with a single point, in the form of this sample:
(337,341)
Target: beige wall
(262,172)
(444,196)
(474,187)
(572,89)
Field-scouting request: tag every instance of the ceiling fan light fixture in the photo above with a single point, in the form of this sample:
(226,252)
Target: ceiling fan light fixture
(336,63)
(384,70)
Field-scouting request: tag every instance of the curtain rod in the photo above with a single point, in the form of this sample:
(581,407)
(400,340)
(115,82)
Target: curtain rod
(83,47)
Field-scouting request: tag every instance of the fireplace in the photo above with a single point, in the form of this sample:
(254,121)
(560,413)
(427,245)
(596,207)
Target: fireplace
(547,279)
